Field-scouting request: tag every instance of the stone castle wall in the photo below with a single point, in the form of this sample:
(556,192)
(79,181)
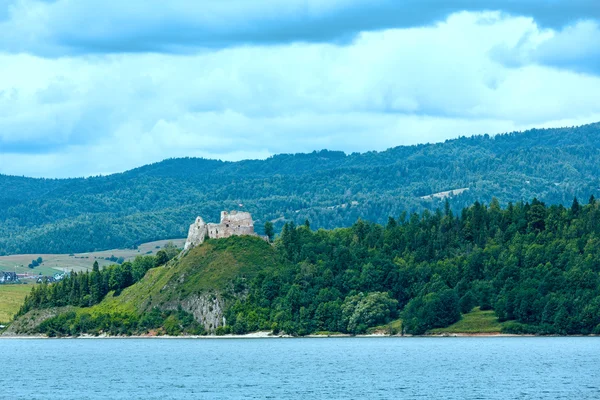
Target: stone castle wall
(232,223)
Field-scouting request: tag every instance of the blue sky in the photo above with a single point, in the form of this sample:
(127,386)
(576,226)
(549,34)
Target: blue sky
(95,87)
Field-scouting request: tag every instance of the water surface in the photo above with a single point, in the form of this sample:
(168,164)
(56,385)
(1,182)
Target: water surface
(335,368)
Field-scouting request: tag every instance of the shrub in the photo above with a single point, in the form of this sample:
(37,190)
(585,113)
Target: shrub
(434,310)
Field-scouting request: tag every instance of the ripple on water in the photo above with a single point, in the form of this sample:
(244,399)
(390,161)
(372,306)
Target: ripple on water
(452,368)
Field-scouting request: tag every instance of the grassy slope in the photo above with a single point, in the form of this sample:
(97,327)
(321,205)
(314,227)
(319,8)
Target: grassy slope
(208,268)
(11,298)
(395,325)
(476,321)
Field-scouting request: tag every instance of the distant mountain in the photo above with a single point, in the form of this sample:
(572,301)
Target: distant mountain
(328,188)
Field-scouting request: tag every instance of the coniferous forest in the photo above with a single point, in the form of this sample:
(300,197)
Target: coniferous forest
(329,188)
(537,266)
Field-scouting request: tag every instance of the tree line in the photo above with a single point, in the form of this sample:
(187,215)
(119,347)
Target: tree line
(535,265)
(88,288)
(329,188)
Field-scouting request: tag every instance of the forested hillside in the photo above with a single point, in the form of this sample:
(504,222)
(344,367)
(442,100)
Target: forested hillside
(536,266)
(329,188)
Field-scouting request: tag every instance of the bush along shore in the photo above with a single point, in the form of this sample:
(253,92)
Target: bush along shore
(525,268)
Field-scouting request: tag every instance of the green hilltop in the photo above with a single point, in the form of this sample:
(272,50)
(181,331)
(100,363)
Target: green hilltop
(525,268)
(206,276)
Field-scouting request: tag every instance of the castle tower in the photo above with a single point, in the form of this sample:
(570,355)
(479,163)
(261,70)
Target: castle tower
(196,234)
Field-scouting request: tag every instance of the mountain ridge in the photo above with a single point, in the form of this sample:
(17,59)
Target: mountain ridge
(338,153)
(161,199)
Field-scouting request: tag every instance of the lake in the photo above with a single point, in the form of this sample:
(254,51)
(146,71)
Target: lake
(329,368)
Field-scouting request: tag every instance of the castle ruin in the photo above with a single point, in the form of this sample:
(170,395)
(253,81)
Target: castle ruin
(232,223)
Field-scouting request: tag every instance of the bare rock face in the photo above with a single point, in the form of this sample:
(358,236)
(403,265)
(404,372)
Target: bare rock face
(232,223)
(206,309)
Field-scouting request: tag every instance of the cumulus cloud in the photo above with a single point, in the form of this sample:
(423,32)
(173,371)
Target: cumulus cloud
(106,113)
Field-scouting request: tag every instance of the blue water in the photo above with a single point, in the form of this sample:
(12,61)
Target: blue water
(336,368)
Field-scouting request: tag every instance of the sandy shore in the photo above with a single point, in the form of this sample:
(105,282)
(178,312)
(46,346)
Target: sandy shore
(253,335)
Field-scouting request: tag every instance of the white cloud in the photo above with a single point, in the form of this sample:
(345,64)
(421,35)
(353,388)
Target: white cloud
(575,47)
(100,114)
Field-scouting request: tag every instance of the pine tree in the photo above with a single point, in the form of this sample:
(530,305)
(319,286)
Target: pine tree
(95,283)
(269,231)
(575,207)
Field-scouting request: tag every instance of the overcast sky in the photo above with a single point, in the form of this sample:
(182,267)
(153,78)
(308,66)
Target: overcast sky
(100,86)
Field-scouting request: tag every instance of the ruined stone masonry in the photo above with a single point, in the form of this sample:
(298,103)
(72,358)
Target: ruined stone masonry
(232,223)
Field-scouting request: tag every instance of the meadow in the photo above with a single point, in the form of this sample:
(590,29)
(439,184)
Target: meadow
(477,321)
(11,298)
(53,263)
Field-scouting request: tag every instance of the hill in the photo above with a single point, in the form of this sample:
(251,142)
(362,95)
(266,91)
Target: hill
(331,189)
(529,268)
(194,291)
(204,283)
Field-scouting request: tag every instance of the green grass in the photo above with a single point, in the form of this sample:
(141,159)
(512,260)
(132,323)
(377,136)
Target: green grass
(476,321)
(216,263)
(141,295)
(396,327)
(11,299)
(53,263)
(208,268)
(327,333)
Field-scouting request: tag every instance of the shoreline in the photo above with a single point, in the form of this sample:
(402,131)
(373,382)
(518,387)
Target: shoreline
(269,335)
